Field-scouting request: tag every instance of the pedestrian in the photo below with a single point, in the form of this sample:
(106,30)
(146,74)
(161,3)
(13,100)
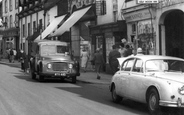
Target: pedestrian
(22,56)
(14,55)
(99,62)
(26,63)
(113,61)
(139,51)
(84,59)
(122,50)
(18,55)
(11,56)
(128,51)
(93,63)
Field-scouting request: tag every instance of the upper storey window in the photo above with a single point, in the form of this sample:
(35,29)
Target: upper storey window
(16,4)
(11,5)
(6,6)
(101,7)
(11,21)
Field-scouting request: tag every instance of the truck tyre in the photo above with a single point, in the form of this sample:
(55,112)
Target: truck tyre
(74,79)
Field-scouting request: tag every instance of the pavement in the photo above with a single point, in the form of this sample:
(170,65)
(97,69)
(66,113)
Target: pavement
(88,77)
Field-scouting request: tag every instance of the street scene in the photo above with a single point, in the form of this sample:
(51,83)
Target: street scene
(96,57)
(20,95)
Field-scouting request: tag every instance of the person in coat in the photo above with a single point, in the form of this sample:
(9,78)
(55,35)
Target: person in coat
(113,61)
(99,62)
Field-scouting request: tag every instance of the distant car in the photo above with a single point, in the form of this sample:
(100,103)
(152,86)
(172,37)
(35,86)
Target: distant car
(53,59)
(157,81)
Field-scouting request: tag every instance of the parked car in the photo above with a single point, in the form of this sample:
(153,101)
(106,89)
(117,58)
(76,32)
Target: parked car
(157,81)
(53,59)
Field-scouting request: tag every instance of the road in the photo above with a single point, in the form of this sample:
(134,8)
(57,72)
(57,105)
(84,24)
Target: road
(20,95)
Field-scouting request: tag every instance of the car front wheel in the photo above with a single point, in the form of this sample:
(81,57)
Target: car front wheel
(74,79)
(33,75)
(153,102)
(116,98)
(41,78)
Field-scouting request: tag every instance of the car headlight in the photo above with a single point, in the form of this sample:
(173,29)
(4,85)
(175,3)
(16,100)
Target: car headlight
(181,90)
(70,66)
(49,66)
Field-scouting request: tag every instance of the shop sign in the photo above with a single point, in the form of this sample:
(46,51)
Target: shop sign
(145,27)
(81,3)
(137,15)
(166,3)
(147,1)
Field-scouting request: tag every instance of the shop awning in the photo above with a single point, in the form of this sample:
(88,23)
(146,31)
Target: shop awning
(75,16)
(51,27)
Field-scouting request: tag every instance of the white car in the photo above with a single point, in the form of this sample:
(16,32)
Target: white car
(151,79)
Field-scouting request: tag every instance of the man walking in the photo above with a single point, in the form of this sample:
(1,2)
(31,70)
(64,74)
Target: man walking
(113,61)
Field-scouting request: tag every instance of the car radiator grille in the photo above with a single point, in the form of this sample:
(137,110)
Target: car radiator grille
(59,66)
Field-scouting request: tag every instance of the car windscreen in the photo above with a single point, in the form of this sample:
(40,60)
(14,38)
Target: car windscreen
(62,49)
(53,49)
(48,49)
(165,65)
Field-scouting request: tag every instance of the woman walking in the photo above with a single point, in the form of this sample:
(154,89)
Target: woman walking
(99,62)
(84,59)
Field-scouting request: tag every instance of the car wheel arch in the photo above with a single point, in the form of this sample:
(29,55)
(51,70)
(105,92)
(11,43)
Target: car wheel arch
(148,90)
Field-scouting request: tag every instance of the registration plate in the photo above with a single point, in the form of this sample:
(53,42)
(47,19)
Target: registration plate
(60,74)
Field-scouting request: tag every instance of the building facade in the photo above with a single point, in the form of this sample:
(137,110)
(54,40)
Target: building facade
(140,19)
(157,28)
(170,28)
(10,31)
(37,18)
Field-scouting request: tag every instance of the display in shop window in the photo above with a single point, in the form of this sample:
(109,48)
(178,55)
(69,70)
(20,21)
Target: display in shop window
(146,36)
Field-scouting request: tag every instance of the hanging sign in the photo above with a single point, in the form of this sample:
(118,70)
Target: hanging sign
(147,1)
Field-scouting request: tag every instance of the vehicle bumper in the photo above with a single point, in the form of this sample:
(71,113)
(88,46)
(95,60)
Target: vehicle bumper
(59,75)
(177,103)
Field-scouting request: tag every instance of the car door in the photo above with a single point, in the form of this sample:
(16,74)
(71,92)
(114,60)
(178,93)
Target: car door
(135,81)
(124,74)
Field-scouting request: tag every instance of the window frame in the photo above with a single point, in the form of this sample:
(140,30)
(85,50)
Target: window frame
(123,66)
(138,69)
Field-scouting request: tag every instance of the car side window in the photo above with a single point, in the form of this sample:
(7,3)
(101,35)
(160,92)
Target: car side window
(127,65)
(138,66)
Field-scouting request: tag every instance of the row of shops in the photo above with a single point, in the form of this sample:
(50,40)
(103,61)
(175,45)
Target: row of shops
(154,28)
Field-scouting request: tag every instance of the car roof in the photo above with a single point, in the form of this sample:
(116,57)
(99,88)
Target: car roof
(50,42)
(150,57)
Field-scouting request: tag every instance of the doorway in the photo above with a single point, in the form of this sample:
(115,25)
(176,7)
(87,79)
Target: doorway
(174,33)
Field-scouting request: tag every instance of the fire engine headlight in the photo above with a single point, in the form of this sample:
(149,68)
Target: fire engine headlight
(70,66)
(49,66)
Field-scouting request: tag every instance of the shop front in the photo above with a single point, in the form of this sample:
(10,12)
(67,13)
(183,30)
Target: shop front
(10,40)
(105,36)
(141,27)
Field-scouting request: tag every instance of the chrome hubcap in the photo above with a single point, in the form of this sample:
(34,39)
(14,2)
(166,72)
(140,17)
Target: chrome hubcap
(152,102)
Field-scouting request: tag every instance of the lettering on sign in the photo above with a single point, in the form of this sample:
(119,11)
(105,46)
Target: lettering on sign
(81,3)
(147,1)
(166,3)
(138,15)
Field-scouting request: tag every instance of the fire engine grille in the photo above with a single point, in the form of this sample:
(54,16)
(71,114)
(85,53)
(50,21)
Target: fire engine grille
(59,66)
